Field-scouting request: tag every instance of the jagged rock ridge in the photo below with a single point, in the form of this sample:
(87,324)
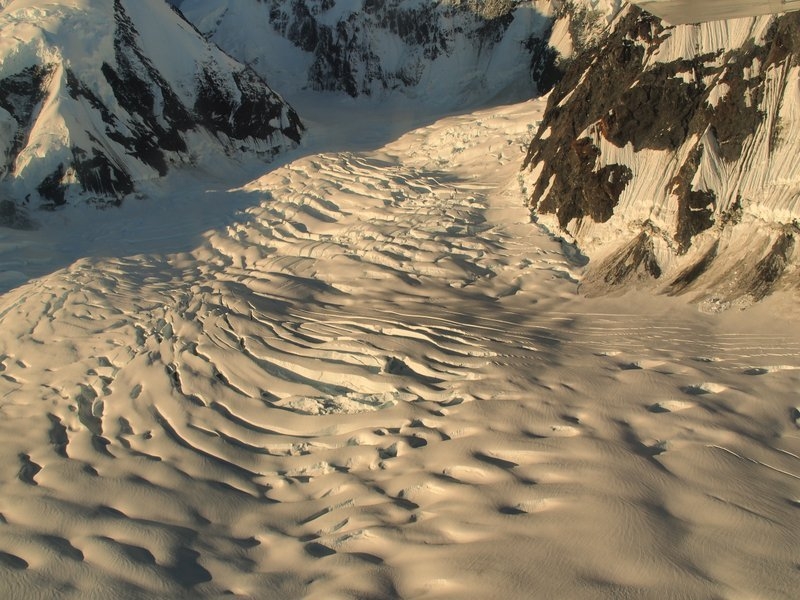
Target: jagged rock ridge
(95,96)
(672,156)
(445,51)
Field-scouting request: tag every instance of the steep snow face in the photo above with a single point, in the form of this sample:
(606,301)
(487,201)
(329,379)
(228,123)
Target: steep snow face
(672,156)
(97,95)
(453,51)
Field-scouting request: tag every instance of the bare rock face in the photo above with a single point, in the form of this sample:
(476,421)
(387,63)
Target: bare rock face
(96,96)
(671,155)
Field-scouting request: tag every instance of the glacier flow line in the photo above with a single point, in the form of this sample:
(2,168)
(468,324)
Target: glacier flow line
(754,461)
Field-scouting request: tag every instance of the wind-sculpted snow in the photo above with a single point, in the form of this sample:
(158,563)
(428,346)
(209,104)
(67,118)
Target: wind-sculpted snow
(380,383)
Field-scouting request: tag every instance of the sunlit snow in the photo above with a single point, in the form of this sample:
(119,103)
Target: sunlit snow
(366,373)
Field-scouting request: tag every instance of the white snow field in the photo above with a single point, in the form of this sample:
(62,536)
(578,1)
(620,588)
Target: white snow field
(366,374)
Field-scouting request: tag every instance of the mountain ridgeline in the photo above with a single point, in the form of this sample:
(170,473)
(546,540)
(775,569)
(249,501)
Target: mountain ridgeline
(671,155)
(96,96)
(451,52)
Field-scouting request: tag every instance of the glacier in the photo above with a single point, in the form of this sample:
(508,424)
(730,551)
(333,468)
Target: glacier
(349,360)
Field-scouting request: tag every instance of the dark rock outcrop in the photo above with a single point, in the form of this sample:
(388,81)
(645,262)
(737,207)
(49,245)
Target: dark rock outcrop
(646,155)
(768,271)
(631,264)
(592,91)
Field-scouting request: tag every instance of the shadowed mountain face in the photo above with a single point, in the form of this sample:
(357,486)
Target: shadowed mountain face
(441,51)
(671,155)
(95,96)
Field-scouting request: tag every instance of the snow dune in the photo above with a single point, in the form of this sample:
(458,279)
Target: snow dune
(377,381)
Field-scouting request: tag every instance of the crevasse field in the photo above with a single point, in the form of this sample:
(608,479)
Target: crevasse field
(367,374)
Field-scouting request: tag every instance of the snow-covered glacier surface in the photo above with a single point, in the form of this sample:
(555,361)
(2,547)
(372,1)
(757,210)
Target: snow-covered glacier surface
(372,377)
(362,371)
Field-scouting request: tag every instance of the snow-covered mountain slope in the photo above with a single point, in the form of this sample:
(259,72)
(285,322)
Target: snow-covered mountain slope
(672,156)
(454,51)
(96,95)
(378,382)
